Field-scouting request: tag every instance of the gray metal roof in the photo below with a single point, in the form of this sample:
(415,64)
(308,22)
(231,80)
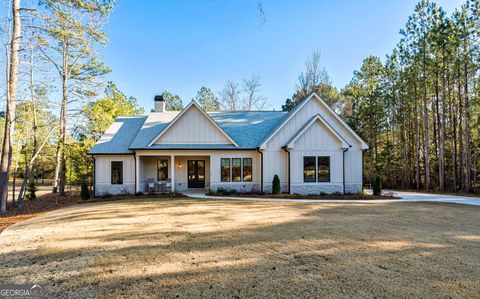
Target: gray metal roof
(247,128)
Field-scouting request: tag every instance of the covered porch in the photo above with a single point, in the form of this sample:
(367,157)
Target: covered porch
(172,172)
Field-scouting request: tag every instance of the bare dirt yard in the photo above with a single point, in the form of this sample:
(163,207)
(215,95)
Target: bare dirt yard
(237,249)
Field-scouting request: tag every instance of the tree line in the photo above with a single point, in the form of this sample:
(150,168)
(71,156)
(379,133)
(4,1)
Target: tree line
(419,109)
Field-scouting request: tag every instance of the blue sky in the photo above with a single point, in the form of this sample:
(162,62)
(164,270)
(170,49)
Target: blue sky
(180,46)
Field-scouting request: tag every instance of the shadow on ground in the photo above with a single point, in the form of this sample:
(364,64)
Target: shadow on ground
(212,248)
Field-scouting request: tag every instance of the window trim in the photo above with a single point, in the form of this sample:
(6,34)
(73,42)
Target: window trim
(251,170)
(240,170)
(315,170)
(229,169)
(329,169)
(111,173)
(158,177)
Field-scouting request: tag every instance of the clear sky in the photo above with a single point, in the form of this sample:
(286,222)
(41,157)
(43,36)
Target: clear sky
(181,45)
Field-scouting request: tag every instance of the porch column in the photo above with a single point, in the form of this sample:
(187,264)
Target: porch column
(211,173)
(137,174)
(172,171)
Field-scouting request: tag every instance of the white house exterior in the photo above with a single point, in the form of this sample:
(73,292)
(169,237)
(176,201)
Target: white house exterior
(310,148)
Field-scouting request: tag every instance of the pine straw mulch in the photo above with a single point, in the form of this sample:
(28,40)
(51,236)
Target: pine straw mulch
(310,196)
(52,201)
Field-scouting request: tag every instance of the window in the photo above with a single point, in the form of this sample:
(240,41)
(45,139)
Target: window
(309,169)
(247,169)
(162,170)
(236,169)
(316,169)
(117,172)
(231,170)
(225,169)
(323,172)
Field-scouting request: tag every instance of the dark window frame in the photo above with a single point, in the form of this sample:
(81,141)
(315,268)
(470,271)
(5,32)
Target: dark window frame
(239,169)
(318,169)
(314,170)
(229,169)
(158,169)
(251,170)
(120,181)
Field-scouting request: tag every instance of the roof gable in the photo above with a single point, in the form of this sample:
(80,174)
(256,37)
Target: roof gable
(316,126)
(326,108)
(192,126)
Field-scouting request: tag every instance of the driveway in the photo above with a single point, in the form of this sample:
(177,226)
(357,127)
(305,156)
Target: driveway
(188,248)
(431,197)
(404,197)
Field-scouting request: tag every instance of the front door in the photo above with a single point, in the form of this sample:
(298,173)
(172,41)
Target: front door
(196,173)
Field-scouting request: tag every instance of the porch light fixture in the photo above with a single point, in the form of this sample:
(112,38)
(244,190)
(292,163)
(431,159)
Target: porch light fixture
(180,165)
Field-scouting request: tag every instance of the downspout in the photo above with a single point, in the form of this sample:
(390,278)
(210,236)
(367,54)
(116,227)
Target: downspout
(94,162)
(135,180)
(288,184)
(261,169)
(343,156)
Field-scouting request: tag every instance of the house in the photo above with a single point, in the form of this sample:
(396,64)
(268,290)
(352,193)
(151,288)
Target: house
(310,148)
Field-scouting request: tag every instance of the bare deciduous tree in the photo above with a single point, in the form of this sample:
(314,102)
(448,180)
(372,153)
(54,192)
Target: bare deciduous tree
(253,100)
(230,96)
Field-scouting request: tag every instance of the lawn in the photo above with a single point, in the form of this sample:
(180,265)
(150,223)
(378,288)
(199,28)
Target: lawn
(216,248)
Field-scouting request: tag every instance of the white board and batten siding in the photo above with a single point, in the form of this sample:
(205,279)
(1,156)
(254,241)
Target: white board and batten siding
(193,127)
(315,141)
(103,175)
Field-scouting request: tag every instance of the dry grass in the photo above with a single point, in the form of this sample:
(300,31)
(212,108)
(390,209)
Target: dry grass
(192,248)
(52,201)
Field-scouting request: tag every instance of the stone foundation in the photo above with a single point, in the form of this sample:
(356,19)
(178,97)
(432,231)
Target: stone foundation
(109,189)
(314,188)
(242,187)
(353,188)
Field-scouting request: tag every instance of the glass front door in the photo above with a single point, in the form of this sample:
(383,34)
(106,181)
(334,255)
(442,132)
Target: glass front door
(196,173)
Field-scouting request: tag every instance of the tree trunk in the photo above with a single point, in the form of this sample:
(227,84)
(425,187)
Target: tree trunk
(6,157)
(468,162)
(63,136)
(417,138)
(425,117)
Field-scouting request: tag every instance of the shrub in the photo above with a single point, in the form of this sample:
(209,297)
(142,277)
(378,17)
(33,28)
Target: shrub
(84,194)
(377,184)
(139,194)
(276,185)
(31,189)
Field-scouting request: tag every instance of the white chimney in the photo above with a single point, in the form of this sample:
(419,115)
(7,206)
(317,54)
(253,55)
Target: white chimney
(159,104)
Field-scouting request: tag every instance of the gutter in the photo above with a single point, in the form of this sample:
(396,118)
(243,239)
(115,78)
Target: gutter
(261,169)
(343,166)
(288,152)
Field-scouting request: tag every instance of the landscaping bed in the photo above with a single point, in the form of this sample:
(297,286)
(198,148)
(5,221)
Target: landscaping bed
(299,196)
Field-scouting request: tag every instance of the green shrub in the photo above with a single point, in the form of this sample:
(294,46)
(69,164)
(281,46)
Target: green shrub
(31,189)
(84,194)
(276,185)
(377,184)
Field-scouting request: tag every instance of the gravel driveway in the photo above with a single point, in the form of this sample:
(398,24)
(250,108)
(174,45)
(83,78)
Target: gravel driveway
(236,249)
